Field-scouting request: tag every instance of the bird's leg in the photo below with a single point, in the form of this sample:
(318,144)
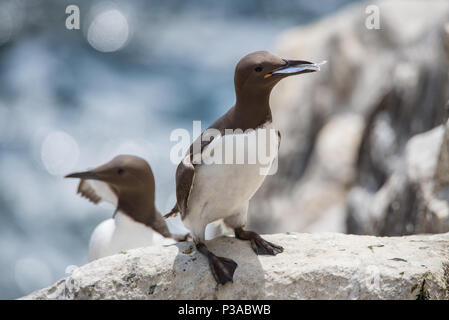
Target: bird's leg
(222,268)
(259,245)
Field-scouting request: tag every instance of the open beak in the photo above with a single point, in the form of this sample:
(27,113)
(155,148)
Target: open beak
(293,67)
(84,175)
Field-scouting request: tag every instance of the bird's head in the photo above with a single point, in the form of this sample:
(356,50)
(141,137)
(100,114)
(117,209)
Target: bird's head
(124,173)
(263,70)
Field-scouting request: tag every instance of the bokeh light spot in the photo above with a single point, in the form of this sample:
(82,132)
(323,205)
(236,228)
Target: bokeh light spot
(59,153)
(108,31)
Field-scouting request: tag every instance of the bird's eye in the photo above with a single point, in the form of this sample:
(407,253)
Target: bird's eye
(258,69)
(120,171)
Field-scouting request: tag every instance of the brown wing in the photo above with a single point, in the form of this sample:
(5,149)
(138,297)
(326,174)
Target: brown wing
(279,141)
(184,180)
(158,224)
(185,172)
(97,191)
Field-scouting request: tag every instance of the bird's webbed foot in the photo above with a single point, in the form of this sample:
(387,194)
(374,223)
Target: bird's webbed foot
(222,268)
(259,245)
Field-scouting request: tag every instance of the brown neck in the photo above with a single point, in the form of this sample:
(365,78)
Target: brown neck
(252,107)
(138,207)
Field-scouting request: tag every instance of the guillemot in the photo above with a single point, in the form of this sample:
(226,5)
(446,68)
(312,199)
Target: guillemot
(128,183)
(207,192)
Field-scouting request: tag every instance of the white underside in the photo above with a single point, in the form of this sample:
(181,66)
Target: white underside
(119,234)
(222,191)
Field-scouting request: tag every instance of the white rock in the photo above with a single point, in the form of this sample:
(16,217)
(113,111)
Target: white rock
(415,198)
(422,154)
(347,126)
(313,266)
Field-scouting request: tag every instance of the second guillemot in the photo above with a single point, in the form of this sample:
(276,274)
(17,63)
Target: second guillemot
(128,183)
(207,192)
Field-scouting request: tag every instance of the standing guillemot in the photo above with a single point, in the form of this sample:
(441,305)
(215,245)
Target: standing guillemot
(208,192)
(128,183)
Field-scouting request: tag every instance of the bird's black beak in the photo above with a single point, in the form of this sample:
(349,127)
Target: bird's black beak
(293,67)
(84,175)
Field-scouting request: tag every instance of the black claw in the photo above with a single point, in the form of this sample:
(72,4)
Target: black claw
(263,247)
(259,245)
(222,268)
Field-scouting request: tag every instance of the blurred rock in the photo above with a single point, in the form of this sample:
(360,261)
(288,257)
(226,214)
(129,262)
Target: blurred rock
(445,37)
(321,192)
(414,199)
(318,266)
(345,129)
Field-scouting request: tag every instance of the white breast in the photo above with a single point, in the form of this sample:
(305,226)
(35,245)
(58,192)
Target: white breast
(122,233)
(221,190)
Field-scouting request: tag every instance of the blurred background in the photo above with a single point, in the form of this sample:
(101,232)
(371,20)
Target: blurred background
(363,147)
(66,104)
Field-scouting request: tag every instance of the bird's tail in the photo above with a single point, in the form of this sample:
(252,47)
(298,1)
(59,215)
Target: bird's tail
(173,212)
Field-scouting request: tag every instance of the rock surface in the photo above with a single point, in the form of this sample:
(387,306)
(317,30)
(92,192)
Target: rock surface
(313,266)
(414,199)
(345,129)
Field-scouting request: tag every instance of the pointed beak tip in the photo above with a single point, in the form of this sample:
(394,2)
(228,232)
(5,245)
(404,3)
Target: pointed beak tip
(319,64)
(83,175)
(299,66)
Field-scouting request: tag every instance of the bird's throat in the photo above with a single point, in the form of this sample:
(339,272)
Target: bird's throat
(139,208)
(252,109)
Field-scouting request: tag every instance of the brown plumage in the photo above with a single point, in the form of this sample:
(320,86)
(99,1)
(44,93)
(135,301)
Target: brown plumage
(255,76)
(128,183)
